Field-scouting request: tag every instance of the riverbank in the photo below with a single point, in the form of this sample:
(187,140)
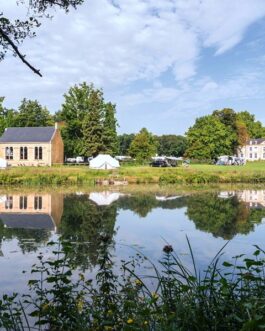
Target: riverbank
(80,175)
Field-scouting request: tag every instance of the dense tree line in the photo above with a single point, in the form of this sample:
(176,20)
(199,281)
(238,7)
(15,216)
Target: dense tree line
(89,127)
(221,133)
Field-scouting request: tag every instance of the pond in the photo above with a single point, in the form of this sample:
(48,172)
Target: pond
(134,222)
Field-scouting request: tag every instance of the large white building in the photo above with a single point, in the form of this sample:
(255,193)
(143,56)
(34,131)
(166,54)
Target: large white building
(254,150)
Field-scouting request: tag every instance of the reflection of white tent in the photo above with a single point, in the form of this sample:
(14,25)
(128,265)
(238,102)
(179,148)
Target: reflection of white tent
(3,163)
(104,161)
(166,198)
(104,198)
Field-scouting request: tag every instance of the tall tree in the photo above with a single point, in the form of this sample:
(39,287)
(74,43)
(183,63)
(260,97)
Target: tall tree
(171,145)
(143,146)
(125,141)
(31,113)
(93,126)
(208,139)
(14,31)
(110,138)
(74,109)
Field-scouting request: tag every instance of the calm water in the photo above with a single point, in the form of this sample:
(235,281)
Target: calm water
(133,221)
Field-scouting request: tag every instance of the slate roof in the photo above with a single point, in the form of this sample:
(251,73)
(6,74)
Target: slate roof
(27,221)
(256,141)
(28,135)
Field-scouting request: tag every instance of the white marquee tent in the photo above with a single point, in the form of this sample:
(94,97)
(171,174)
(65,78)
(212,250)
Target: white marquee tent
(104,161)
(3,163)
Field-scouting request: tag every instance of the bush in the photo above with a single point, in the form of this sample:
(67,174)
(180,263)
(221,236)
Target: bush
(227,296)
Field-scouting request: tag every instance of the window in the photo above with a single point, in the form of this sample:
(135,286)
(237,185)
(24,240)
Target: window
(9,153)
(9,202)
(263,155)
(38,153)
(256,155)
(23,153)
(23,202)
(242,155)
(37,203)
(250,155)
(250,148)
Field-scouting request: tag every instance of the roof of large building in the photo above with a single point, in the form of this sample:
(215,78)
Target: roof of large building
(27,135)
(254,141)
(27,221)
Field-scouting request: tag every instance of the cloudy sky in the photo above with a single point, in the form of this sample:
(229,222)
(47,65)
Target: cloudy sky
(163,62)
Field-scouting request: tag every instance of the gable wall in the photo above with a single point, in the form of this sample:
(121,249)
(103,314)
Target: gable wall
(57,149)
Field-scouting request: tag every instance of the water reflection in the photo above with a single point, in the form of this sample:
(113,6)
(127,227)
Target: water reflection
(30,218)
(87,219)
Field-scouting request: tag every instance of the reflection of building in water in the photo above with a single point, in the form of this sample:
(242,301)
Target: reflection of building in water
(104,198)
(31,211)
(166,198)
(254,198)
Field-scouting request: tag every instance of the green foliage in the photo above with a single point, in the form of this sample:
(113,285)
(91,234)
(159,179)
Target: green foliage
(90,123)
(110,138)
(228,295)
(222,133)
(7,117)
(143,146)
(254,128)
(74,109)
(171,145)
(125,141)
(92,127)
(31,113)
(208,139)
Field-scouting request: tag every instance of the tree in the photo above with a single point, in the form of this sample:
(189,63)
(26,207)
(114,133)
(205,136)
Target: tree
(92,125)
(110,138)
(143,146)
(7,117)
(171,145)
(242,133)
(254,128)
(208,138)
(74,109)
(14,32)
(31,113)
(125,141)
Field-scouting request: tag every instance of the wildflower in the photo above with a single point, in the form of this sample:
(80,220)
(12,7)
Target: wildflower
(82,277)
(145,322)
(168,249)
(109,312)
(130,321)
(108,328)
(155,295)
(80,305)
(138,282)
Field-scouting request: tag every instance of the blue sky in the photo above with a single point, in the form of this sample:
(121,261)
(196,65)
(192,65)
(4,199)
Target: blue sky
(163,62)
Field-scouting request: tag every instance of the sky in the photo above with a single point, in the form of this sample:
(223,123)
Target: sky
(162,62)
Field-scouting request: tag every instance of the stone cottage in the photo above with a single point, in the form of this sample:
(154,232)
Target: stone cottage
(32,146)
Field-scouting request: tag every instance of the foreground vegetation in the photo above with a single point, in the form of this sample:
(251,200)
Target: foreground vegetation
(227,296)
(78,175)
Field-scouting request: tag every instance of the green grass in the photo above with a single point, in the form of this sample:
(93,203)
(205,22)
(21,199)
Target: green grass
(77,175)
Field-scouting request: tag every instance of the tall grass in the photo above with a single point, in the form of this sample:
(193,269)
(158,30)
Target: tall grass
(226,296)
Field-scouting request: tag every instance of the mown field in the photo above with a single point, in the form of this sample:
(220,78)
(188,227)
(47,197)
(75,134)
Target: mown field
(193,174)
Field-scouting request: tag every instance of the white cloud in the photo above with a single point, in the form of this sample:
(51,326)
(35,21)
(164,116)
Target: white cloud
(117,44)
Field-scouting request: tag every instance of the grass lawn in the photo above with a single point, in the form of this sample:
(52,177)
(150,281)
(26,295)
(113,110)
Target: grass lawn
(193,174)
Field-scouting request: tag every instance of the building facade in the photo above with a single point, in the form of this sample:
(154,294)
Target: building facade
(254,150)
(32,146)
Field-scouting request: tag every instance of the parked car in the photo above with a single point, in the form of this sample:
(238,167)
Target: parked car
(80,159)
(160,163)
(71,160)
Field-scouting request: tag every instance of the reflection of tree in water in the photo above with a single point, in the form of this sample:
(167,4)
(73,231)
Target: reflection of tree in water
(28,239)
(222,217)
(87,225)
(142,204)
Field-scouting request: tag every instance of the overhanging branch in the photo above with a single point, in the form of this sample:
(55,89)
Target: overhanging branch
(17,52)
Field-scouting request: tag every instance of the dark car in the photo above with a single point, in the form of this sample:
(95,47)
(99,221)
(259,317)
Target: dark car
(160,163)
